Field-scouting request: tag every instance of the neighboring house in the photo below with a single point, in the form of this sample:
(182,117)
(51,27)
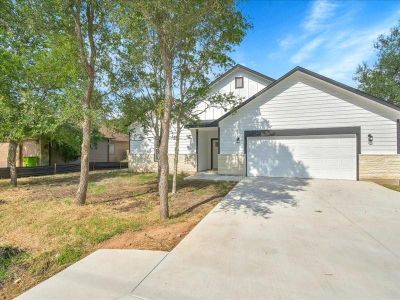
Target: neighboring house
(301,125)
(29,148)
(112,147)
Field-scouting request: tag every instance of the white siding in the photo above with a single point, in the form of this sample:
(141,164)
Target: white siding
(252,85)
(146,146)
(294,104)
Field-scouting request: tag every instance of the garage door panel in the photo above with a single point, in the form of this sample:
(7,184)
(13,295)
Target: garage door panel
(328,156)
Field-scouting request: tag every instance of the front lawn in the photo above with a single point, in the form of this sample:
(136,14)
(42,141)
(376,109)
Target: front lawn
(392,187)
(42,231)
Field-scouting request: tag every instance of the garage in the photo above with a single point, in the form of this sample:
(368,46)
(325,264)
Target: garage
(332,156)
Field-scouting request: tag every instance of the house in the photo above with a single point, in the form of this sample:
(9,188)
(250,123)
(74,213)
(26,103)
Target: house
(112,147)
(34,148)
(300,125)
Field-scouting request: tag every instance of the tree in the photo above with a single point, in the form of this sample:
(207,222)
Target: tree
(88,24)
(138,84)
(29,102)
(383,78)
(188,24)
(193,88)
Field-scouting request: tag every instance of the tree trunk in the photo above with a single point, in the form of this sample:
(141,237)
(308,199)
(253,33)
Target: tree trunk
(176,156)
(157,152)
(11,160)
(89,66)
(84,175)
(165,125)
(85,149)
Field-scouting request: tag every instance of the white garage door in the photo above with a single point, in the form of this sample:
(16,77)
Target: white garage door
(312,156)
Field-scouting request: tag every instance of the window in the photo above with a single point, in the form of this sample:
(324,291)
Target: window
(239,82)
(111,148)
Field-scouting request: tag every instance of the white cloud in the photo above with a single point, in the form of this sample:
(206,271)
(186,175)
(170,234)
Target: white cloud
(306,51)
(287,42)
(347,50)
(317,19)
(321,11)
(329,42)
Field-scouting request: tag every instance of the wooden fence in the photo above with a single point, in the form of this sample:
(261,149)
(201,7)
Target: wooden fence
(59,169)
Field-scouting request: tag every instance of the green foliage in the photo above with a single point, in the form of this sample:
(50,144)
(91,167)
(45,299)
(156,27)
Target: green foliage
(66,141)
(34,74)
(383,78)
(199,35)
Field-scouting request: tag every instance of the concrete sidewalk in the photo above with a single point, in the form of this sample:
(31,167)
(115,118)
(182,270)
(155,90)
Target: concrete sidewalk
(104,274)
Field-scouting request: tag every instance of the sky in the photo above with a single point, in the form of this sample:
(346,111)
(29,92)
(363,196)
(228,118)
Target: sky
(328,37)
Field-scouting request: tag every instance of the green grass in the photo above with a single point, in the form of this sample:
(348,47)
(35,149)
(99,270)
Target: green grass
(200,192)
(100,228)
(97,189)
(69,254)
(392,187)
(8,256)
(147,177)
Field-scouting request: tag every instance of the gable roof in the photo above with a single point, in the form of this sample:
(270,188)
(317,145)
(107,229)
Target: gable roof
(312,74)
(239,66)
(111,134)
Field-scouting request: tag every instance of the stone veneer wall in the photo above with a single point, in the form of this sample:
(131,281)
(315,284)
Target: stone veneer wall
(232,164)
(380,168)
(145,163)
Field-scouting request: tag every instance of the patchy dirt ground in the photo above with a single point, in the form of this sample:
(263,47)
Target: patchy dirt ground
(42,231)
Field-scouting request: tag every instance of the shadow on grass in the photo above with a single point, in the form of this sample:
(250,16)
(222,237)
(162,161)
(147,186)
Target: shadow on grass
(193,207)
(8,255)
(73,178)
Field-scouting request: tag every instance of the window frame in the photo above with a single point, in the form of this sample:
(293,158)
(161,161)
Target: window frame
(237,86)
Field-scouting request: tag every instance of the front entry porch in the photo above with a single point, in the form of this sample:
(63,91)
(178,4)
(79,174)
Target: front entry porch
(207,148)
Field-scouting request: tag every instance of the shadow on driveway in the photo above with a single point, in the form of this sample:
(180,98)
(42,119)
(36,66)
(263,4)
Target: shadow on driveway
(258,197)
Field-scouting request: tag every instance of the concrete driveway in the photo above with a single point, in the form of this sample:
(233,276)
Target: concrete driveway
(288,239)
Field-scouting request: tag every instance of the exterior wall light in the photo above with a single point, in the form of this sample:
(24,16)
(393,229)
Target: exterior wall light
(189,136)
(370,139)
(238,140)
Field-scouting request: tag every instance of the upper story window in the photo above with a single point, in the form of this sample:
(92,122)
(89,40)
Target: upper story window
(239,82)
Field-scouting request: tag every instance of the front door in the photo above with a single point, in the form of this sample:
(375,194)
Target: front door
(214,153)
